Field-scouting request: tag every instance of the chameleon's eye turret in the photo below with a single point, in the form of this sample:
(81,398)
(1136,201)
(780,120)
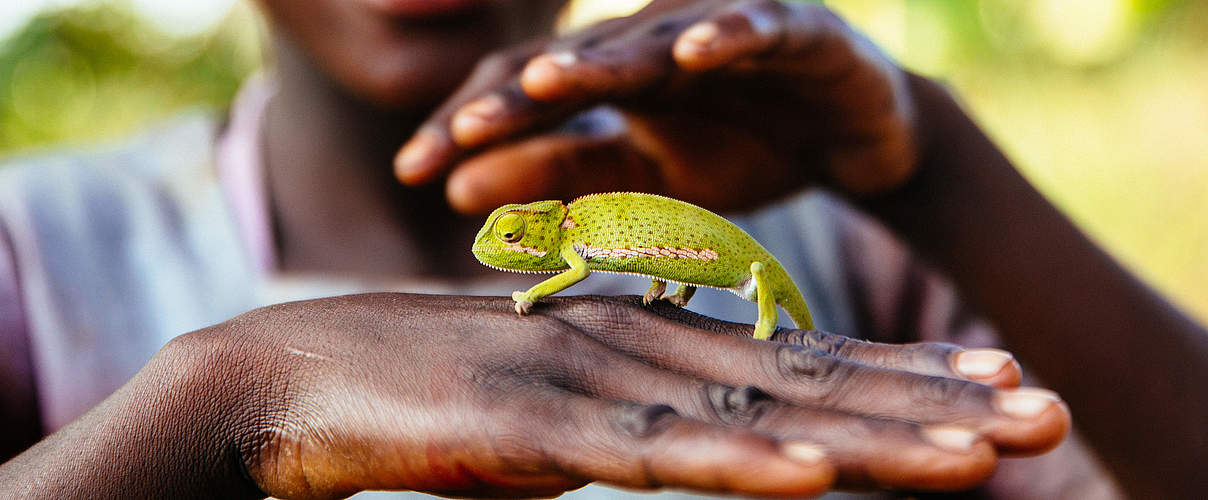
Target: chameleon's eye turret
(509,228)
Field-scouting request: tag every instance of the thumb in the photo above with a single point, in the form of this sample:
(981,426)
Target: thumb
(551,167)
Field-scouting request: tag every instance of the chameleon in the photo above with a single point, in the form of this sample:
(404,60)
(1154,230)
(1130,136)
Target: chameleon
(664,239)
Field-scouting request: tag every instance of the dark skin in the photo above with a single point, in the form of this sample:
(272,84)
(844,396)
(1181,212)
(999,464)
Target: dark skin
(318,399)
(324,398)
(894,143)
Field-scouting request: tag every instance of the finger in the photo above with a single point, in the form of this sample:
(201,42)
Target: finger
(548,167)
(518,107)
(629,54)
(620,66)
(865,95)
(491,93)
(866,451)
(1022,421)
(743,30)
(504,111)
(993,367)
(431,150)
(807,39)
(650,446)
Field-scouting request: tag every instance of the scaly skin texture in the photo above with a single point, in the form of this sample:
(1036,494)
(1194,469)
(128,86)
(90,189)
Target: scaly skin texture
(635,233)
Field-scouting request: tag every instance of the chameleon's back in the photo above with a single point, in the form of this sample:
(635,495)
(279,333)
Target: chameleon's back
(659,236)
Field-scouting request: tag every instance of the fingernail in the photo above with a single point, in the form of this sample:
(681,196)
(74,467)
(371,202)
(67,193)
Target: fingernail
(470,121)
(1025,402)
(702,34)
(487,107)
(951,438)
(803,453)
(410,159)
(563,59)
(982,363)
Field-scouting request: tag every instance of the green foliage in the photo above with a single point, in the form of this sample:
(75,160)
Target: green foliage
(97,71)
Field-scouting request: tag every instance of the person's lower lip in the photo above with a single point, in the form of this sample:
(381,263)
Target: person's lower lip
(423,8)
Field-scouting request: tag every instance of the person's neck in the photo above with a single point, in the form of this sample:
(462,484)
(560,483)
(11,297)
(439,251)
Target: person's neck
(335,204)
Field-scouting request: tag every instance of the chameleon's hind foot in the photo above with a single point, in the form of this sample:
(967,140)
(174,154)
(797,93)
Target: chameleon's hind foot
(656,289)
(681,296)
(523,304)
(766,324)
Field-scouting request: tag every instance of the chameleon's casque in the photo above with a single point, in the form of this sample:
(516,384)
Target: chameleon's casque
(665,239)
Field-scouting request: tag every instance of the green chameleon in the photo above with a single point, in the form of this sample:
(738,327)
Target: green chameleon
(636,233)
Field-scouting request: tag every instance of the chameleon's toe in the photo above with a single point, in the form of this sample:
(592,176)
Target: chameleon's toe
(522,308)
(764,330)
(523,304)
(656,289)
(681,296)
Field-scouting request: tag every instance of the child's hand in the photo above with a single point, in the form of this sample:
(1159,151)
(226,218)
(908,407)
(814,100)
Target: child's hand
(458,395)
(724,104)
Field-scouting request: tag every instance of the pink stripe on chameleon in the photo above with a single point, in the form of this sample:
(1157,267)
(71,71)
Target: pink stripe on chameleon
(588,251)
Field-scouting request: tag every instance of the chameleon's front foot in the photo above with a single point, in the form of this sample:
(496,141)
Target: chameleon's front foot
(523,304)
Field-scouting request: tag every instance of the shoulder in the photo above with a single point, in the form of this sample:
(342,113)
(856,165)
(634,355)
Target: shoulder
(87,183)
(179,141)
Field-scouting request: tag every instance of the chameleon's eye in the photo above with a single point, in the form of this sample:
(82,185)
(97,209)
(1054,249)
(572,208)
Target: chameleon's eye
(509,227)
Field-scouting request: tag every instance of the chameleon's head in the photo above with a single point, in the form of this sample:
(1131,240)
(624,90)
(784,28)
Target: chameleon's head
(523,237)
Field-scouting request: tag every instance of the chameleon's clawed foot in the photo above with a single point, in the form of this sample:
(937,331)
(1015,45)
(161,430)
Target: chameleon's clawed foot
(675,300)
(681,296)
(656,290)
(522,303)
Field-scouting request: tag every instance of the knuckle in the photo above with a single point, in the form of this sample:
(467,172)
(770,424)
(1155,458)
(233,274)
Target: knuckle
(835,345)
(644,421)
(941,391)
(789,336)
(740,406)
(797,362)
(666,27)
(764,6)
(501,62)
(922,354)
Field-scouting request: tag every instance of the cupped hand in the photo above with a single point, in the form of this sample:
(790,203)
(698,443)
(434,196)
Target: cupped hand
(725,104)
(460,396)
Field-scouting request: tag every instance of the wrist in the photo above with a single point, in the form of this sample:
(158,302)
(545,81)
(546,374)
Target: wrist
(171,431)
(209,396)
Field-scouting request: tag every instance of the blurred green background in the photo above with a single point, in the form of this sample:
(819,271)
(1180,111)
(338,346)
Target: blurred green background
(1103,103)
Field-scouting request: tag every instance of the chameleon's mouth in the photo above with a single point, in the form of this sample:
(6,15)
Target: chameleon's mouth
(511,270)
(485,250)
(535,252)
(486,255)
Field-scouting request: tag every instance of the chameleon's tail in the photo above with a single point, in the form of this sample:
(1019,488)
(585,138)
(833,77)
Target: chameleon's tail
(794,304)
(789,297)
